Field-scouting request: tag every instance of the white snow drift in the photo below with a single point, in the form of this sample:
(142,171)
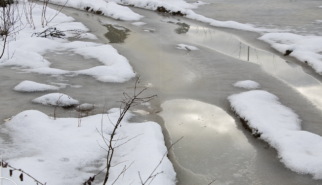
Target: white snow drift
(30,86)
(187,47)
(307,49)
(279,126)
(247,84)
(61,153)
(56,99)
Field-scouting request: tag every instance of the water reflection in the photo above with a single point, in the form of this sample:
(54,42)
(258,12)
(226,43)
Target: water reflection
(212,145)
(273,64)
(116,34)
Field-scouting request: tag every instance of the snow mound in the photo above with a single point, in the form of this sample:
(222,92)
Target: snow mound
(279,126)
(139,23)
(56,99)
(116,69)
(187,47)
(247,84)
(110,9)
(30,86)
(60,152)
(307,49)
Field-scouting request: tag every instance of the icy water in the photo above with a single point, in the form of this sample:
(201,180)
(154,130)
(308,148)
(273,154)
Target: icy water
(192,88)
(296,15)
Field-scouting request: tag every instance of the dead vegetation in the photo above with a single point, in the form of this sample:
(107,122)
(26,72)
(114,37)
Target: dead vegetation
(162,9)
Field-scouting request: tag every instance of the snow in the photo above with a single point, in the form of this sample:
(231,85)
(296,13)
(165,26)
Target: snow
(25,52)
(30,86)
(247,84)
(116,69)
(187,47)
(110,9)
(56,99)
(139,23)
(60,152)
(278,125)
(306,49)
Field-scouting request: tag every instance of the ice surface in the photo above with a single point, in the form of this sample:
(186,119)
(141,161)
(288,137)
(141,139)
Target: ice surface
(56,99)
(247,84)
(30,86)
(59,152)
(279,126)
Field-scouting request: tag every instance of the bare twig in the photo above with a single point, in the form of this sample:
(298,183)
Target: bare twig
(5,164)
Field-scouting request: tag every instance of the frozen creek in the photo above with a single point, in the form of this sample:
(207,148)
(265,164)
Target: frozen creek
(192,88)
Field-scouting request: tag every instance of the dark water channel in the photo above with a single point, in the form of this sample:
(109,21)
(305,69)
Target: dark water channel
(192,88)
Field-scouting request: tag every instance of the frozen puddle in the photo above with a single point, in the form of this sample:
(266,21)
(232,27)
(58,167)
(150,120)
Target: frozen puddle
(212,145)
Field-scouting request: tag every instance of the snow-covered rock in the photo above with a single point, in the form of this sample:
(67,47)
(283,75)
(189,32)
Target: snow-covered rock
(61,153)
(56,99)
(30,86)
(247,84)
(280,127)
(187,47)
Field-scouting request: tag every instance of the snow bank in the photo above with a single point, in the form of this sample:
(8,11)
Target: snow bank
(186,47)
(307,49)
(61,153)
(247,84)
(58,99)
(279,126)
(184,8)
(30,86)
(110,9)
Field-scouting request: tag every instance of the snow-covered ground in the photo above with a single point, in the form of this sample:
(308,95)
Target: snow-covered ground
(68,150)
(60,152)
(26,51)
(278,125)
